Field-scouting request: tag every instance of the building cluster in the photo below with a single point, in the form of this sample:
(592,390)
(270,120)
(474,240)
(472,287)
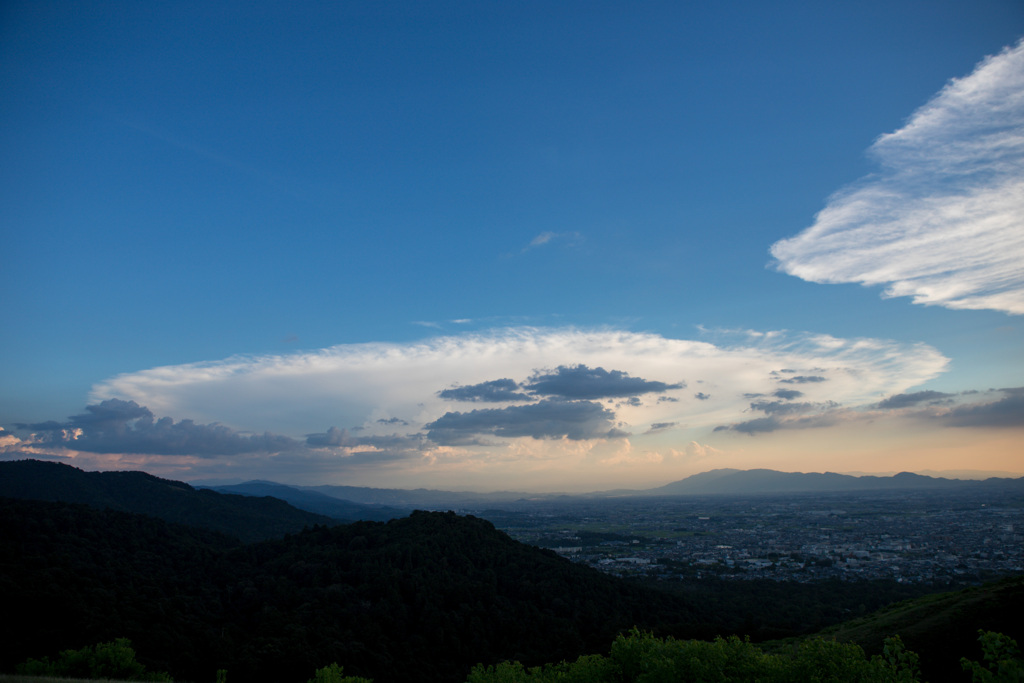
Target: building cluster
(917,537)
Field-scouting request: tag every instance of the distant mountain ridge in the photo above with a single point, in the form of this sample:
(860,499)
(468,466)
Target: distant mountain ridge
(765,481)
(416,497)
(314,501)
(245,517)
(723,481)
(256,509)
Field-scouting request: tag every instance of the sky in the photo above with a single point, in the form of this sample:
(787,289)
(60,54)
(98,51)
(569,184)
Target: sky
(538,246)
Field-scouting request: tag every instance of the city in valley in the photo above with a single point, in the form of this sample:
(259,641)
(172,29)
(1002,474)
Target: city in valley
(908,536)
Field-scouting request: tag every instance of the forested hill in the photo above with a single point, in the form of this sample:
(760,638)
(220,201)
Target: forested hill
(246,517)
(421,598)
(941,628)
(313,501)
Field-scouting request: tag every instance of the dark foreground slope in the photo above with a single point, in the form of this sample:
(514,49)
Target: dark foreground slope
(765,609)
(416,599)
(249,518)
(942,628)
(72,575)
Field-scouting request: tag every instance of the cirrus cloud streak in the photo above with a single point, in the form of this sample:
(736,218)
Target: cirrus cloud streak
(943,222)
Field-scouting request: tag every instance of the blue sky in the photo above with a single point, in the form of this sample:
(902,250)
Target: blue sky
(490,245)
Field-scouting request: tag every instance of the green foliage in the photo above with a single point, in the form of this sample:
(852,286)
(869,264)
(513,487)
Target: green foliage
(941,628)
(332,673)
(829,660)
(906,663)
(505,672)
(417,599)
(222,676)
(115,659)
(642,658)
(586,669)
(646,659)
(1002,656)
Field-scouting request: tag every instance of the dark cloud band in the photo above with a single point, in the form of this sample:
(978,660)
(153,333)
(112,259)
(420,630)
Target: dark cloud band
(117,426)
(584,383)
(494,391)
(548,419)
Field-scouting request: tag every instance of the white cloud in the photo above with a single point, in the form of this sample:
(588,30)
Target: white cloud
(383,389)
(695,451)
(542,238)
(569,238)
(944,220)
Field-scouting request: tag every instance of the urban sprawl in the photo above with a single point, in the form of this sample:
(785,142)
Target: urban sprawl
(905,536)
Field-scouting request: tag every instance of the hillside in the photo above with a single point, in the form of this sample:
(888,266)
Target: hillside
(941,628)
(417,599)
(247,517)
(420,598)
(313,501)
(419,498)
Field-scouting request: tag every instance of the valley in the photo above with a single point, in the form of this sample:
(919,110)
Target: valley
(200,580)
(924,536)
